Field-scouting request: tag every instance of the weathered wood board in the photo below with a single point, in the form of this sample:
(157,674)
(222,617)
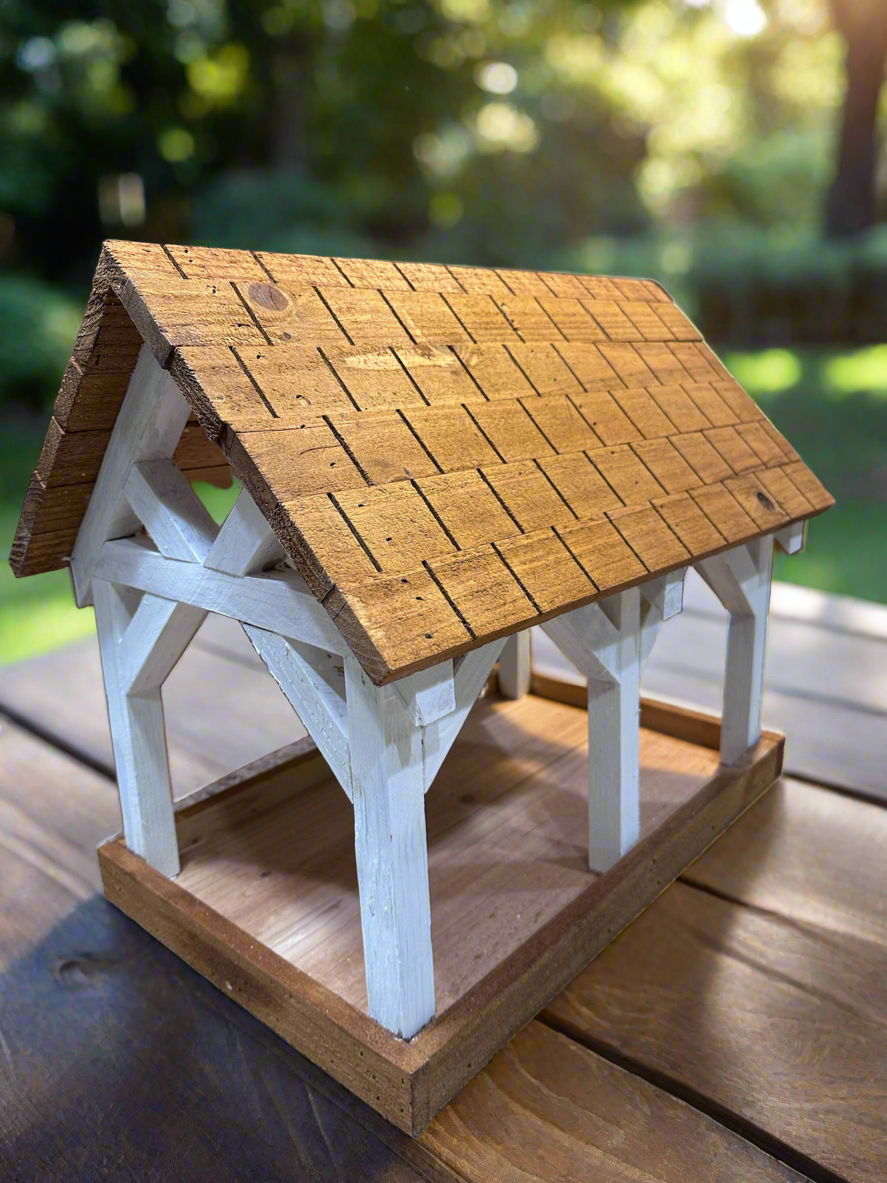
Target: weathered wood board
(266,905)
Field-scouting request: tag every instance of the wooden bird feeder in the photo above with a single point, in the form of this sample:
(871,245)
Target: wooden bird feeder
(433,460)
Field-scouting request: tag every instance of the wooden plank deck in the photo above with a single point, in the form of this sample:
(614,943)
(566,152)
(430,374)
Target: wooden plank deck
(736,1031)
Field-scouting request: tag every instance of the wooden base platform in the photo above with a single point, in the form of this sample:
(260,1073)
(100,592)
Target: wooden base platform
(266,905)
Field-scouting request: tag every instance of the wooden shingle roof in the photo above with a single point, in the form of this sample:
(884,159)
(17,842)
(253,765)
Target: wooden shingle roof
(448,454)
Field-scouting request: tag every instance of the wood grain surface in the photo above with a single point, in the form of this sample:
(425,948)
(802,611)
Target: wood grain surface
(230,914)
(825,684)
(768,995)
(748,1010)
(548,1109)
(342,383)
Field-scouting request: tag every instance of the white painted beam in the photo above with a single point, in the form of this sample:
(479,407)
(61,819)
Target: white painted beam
(148,427)
(741,579)
(392,857)
(178,522)
(276,601)
(515,666)
(139,742)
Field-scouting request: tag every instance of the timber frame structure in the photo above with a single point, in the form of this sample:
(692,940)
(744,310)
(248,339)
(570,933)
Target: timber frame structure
(433,460)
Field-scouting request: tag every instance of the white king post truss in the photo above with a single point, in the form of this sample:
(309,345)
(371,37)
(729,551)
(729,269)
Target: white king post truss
(385,744)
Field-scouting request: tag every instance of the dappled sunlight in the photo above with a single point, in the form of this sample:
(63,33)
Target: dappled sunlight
(768,372)
(32,626)
(859,370)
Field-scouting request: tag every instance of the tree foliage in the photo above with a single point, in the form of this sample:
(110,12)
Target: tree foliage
(496,131)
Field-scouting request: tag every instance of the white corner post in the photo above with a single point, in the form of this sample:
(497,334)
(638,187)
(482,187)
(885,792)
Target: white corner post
(137,734)
(603,641)
(514,666)
(385,745)
(388,790)
(741,579)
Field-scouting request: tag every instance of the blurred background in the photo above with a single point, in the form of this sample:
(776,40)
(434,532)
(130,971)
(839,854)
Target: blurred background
(729,148)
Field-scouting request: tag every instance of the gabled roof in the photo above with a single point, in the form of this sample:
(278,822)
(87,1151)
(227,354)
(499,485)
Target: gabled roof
(448,454)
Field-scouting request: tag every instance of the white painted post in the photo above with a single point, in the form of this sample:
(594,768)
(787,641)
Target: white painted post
(515,666)
(139,741)
(741,579)
(614,739)
(603,641)
(392,858)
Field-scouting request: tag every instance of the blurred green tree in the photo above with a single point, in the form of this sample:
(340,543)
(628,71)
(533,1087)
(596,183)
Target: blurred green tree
(852,198)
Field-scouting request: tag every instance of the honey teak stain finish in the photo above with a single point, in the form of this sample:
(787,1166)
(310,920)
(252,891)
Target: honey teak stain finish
(433,460)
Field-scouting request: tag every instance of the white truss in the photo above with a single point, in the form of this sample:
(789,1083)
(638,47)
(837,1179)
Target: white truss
(384,745)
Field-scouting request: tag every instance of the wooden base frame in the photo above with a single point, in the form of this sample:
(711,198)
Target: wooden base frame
(278,929)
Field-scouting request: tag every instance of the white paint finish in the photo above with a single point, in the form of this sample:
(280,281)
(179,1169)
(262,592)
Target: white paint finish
(472,671)
(392,857)
(603,641)
(665,593)
(661,599)
(313,682)
(276,601)
(428,695)
(245,541)
(177,520)
(589,638)
(741,578)
(139,740)
(156,637)
(148,427)
(514,666)
(793,538)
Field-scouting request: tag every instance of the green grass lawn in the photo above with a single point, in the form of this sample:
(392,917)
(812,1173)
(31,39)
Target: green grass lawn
(831,405)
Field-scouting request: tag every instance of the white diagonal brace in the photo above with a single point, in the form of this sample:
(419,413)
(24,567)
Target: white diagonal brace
(471,673)
(154,640)
(245,541)
(661,598)
(391,852)
(428,695)
(139,742)
(148,427)
(277,601)
(179,523)
(588,637)
(740,578)
(313,681)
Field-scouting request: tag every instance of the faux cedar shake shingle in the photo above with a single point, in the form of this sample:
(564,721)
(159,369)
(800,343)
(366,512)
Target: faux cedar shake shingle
(446,453)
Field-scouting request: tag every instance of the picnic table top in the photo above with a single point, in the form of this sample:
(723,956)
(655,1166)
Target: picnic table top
(736,1031)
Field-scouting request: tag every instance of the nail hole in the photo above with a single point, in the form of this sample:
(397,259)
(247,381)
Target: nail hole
(428,636)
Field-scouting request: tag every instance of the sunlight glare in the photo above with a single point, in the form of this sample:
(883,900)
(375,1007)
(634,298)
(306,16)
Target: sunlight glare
(745,17)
